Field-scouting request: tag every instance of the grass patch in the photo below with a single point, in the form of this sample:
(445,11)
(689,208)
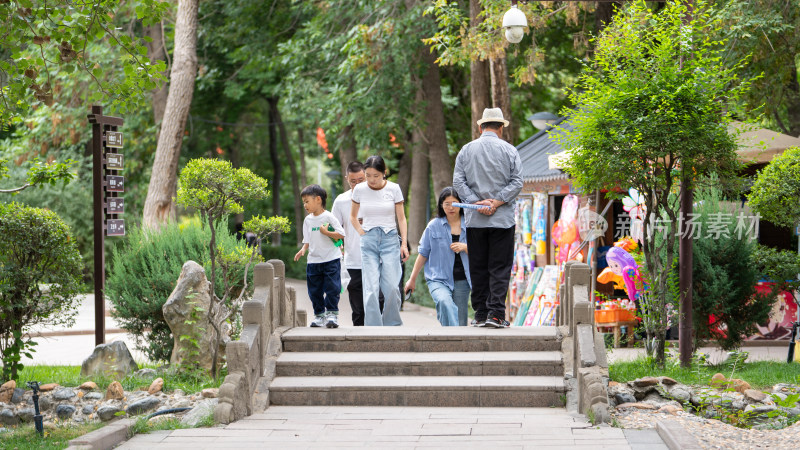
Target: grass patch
(759,374)
(144,426)
(70,376)
(25,436)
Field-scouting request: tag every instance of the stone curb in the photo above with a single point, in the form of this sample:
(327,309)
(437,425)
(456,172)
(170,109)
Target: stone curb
(106,437)
(675,436)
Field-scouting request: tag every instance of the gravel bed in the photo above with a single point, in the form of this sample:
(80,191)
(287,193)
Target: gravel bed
(711,433)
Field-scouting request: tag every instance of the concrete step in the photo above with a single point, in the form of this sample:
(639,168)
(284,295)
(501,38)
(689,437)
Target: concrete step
(299,364)
(515,391)
(410,339)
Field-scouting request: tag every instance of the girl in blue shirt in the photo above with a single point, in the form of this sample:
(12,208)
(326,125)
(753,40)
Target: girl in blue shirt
(443,253)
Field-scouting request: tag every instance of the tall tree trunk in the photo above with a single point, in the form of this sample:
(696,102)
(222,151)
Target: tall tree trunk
(419,201)
(500,95)
(435,138)
(480,92)
(292,162)
(276,165)
(159,206)
(157,52)
(404,171)
(302,151)
(603,15)
(347,149)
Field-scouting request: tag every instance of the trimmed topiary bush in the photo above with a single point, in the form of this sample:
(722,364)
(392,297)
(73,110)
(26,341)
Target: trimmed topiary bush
(145,269)
(40,278)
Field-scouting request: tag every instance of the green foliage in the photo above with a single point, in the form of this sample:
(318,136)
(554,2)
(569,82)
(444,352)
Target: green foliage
(71,376)
(770,31)
(144,270)
(215,189)
(652,107)
(759,374)
(778,266)
(25,437)
(262,227)
(43,41)
(724,276)
(40,271)
(775,194)
(40,174)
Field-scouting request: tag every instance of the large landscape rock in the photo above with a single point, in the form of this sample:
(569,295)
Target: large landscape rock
(143,405)
(106,413)
(202,410)
(7,391)
(65,412)
(113,359)
(192,291)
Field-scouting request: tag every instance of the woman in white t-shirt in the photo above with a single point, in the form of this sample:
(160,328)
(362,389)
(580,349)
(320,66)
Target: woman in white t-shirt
(380,202)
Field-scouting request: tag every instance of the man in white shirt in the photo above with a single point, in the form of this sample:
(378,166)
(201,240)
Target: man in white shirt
(352,242)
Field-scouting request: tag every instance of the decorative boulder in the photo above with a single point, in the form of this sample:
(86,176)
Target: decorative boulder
(7,391)
(186,313)
(113,359)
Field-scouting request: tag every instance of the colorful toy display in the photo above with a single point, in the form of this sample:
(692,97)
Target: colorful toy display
(565,229)
(539,223)
(622,264)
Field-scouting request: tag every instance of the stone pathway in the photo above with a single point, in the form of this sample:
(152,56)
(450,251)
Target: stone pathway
(300,427)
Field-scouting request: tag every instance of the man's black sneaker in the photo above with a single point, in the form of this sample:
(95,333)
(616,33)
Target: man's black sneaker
(494,322)
(477,323)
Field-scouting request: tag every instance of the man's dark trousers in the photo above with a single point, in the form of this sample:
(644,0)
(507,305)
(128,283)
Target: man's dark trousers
(355,292)
(491,255)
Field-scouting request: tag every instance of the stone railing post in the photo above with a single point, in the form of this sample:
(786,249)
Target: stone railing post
(279,290)
(589,363)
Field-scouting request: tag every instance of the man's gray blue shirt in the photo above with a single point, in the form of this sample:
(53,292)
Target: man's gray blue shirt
(488,168)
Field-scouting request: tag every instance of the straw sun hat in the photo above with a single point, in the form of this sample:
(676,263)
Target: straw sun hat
(493,115)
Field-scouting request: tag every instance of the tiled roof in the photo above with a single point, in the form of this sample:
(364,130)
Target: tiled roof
(534,152)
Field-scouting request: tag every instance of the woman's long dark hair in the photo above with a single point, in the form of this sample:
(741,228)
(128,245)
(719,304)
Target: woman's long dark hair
(448,192)
(377,163)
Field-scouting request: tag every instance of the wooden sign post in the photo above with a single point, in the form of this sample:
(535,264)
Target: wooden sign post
(107,184)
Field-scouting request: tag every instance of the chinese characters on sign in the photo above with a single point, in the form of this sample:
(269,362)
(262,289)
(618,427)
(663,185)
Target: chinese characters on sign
(115,227)
(717,225)
(113,139)
(115,184)
(114,161)
(115,205)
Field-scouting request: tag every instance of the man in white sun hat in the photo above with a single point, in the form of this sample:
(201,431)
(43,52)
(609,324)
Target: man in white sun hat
(487,173)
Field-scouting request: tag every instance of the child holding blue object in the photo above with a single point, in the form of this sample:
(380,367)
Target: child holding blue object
(321,231)
(443,253)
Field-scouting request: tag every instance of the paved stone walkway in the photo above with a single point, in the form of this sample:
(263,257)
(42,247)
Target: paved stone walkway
(302,427)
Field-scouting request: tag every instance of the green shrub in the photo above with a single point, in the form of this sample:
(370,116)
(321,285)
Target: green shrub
(285,253)
(40,278)
(724,273)
(146,268)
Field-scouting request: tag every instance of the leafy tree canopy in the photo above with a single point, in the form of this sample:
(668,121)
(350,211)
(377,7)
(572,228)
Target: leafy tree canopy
(776,191)
(44,41)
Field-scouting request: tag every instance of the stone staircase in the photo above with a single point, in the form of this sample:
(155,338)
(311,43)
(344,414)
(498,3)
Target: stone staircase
(404,366)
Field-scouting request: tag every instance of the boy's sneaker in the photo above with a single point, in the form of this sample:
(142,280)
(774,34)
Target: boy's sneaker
(319,321)
(332,320)
(477,323)
(494,322)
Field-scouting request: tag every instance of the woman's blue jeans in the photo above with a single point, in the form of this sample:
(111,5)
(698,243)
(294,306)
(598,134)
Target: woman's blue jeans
(451,305)
(381,272)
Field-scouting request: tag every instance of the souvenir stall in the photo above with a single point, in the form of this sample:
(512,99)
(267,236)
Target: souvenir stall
(532,291)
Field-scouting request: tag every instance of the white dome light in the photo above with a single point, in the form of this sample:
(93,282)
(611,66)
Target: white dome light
(514,22)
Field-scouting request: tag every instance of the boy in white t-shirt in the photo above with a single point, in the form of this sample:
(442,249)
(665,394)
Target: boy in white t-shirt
(324,257)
